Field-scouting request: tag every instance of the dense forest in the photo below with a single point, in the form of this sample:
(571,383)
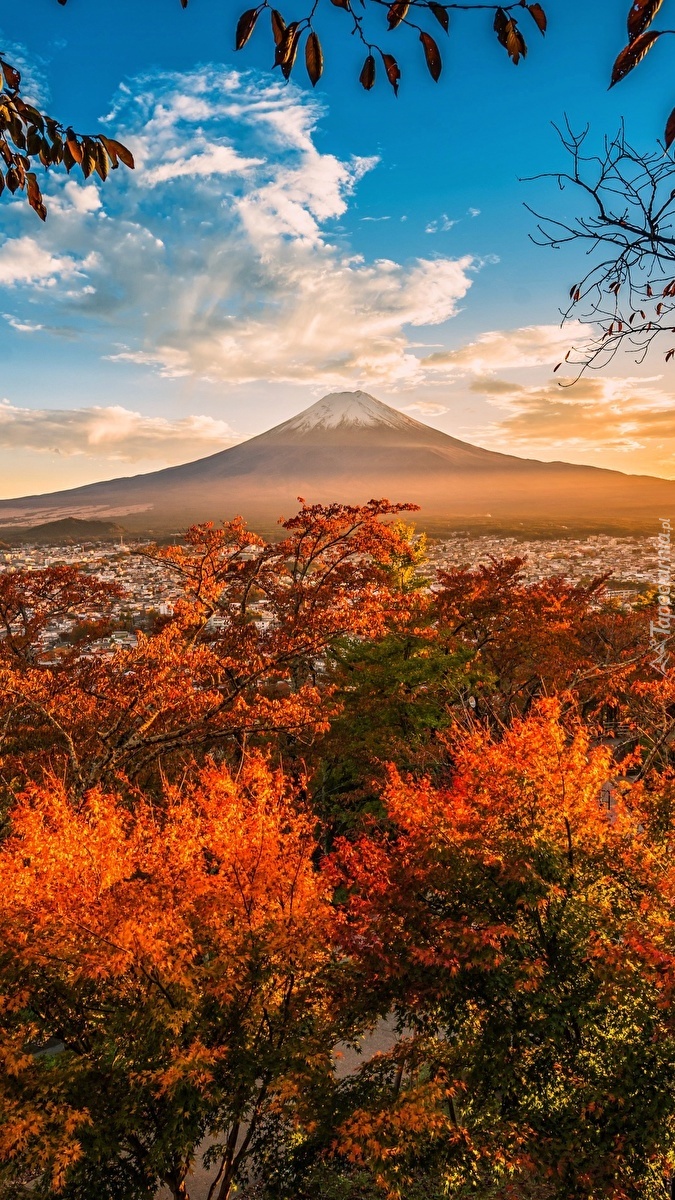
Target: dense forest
(326,793)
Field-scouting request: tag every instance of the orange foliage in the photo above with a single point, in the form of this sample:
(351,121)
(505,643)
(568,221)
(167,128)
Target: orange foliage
(531,926)
(169,929)
(197,683)
(542,638)
(181,952)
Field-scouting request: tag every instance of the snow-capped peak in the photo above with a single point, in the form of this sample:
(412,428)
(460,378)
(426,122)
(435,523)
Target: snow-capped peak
(346,408)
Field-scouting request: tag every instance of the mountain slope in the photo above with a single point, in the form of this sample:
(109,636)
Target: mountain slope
(351,447)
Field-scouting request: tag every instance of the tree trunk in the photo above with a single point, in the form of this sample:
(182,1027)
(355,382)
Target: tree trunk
(177,1187)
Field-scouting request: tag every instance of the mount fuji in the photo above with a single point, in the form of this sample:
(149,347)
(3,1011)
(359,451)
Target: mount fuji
(351,447)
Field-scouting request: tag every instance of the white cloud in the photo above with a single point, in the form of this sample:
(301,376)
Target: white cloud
(473,212)
(428,408)
(219,257)
(116,433)
(212,160)
(629,419)
(24,260)
(443,225)
(530,346)
(34,71)
(22,326)
(83,198)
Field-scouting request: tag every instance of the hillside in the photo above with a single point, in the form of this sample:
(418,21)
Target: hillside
(351,447)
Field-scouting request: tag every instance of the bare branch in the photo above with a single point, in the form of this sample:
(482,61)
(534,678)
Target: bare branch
(627,230)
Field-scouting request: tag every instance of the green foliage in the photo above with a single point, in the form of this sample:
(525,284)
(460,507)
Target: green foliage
(395,699)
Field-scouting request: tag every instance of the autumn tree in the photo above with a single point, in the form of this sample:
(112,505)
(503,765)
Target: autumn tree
(522,929)
(393,695)
(545,638)
(184,943)
(484,645)
(170,980)
(241,658)
(30,601)
(408,15)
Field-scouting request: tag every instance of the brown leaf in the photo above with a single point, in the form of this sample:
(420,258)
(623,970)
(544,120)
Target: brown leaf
(287,66)
(515,43)
(499,25)
(112,153)
(102,162)
(245,27)
(50,154)
(278,26)
(538,16)
(12,76)
(183,3)
(284,43)
(314,58)
(18,135)
(640,16)
(509,36)
(398,12)
(432,55)
(117,150)
(393,72)
(33,142)
(27,110)
(73,146)
(441,14)
(367,76)
(88,162)
(35,196)
(670,130)
(631,55)
(287,49)
(341,4)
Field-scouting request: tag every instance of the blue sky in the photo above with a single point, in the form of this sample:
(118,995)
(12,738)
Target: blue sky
(278,243)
